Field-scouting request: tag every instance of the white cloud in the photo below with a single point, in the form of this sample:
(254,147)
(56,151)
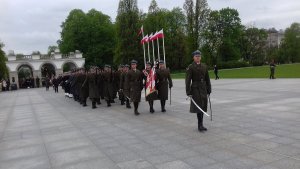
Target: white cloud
(30,25)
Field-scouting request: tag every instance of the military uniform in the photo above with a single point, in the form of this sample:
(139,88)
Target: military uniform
(134,80)
(164,82)
(124,86)
(93,88)
(108,85)
(84,88)
(198,86)
(272,70)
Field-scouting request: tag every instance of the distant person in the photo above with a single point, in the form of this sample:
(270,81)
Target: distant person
(55,83)
(7,85)
(32,82)
(216,71)
(3,85)
(47,82)
(37,81)
(272,70)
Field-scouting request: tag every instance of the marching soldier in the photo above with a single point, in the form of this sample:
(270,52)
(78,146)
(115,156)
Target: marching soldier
(124,86)
(134,82)
(121,84)
(93,87)
(108,84)
(151,96)
(164,82)
(84,87)
(100,83)
(116,83)
(198,87)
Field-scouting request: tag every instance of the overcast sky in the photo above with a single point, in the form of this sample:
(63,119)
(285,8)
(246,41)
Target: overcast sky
(31,25)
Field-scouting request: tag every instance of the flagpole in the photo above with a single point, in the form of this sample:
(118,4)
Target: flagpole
(164,50)
(153,53)
(158,49)
(144,46)
(148,52)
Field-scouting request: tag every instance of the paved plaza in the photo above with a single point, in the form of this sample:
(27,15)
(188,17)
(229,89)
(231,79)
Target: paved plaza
(256,125)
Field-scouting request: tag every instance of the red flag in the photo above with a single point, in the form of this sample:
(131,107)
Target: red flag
(150,37)
(144,40)
(160,34)
(154,37)
(141,30)
(151,91)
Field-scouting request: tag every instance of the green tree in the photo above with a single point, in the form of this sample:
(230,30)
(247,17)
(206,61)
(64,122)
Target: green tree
(51,49)
(253,45)
(197,19)
(222,36)
(92,33)
(3,59)
(289,49)
(127,27)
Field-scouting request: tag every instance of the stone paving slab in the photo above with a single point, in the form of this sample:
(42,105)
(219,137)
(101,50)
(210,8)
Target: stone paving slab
(255,125)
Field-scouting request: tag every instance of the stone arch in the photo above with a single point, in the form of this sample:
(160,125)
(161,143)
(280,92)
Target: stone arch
(47,69)
(24,80)
(69,62)
(47,62)
(24,64)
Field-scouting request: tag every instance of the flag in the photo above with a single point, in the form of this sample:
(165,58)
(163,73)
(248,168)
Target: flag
(153,37)
(160,34)
(151,92)
(141,30)
(150,37)
(144,40)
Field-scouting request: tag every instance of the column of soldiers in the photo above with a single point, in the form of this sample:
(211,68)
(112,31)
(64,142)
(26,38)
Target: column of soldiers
(127,83)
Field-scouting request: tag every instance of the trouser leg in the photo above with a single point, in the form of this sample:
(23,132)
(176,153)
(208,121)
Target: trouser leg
(136,106)
(163,103)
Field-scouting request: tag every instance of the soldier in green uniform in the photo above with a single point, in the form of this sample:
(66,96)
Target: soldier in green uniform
(198,87)
(116,83)
(151,96)
(164,82)
(134,83)
(92,80)
(124,86)
(272,69)
(108,84)
(100,84)
(84,88)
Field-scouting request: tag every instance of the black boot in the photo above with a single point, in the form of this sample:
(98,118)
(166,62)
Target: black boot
(151,106)
(84,103)
(98,101)
(128,104)
(136,105)
(201,128)
(163,103)
(94,104)
(122,102)
(108,103)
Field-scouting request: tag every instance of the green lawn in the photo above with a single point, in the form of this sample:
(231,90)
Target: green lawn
(281,71)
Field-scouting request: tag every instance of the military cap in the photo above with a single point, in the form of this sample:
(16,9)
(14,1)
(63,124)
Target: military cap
(108,66)
(196,53)
(161,62)
(133,62)
(126,65)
